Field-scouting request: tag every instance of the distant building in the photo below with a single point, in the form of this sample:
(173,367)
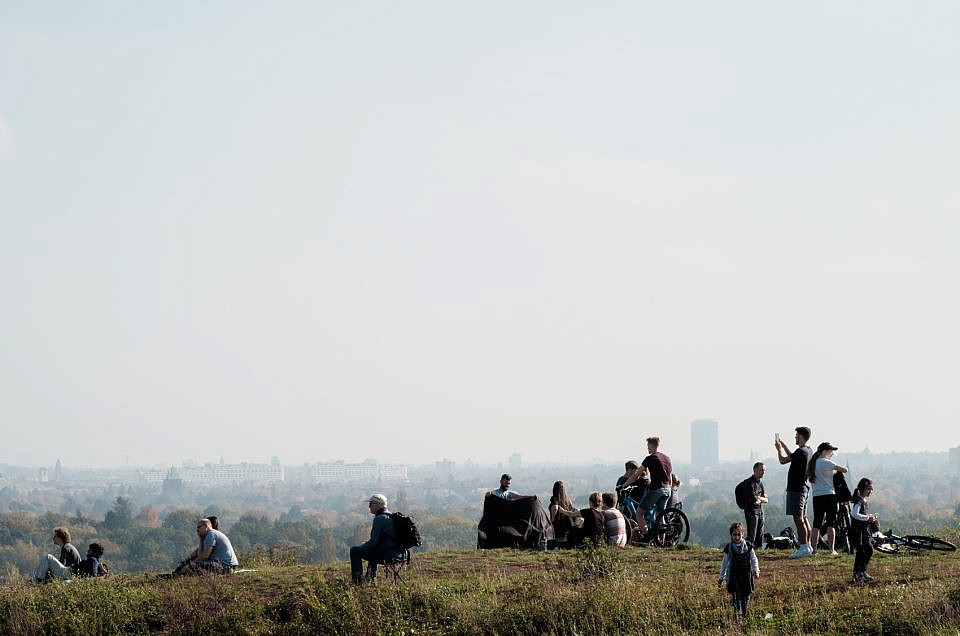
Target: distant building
(213,474)
(954,461)
(58,471)
(172,483)
(368,470)
(515,463)
(704,444)
(445,468)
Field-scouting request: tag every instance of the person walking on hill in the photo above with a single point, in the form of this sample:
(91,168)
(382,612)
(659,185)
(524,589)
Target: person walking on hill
(61,568)
(797,488)
(860,530)
(820,472)
(382,543)
(738,569)
(660,469)
(751,496)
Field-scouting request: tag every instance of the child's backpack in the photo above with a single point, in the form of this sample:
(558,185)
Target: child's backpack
(408,536)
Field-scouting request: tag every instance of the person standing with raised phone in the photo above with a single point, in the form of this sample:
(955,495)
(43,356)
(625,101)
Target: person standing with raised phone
(797,487)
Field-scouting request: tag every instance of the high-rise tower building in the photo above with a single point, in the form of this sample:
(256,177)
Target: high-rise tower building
(704,443)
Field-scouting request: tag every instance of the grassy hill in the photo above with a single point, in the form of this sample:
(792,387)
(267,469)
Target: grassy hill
(640,591)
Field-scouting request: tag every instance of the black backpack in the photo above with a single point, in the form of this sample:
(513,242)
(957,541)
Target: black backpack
(744,494)
(841,489)
(408,536)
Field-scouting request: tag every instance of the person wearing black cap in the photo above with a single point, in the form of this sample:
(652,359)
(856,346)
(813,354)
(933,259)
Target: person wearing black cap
(381,545)
(820,474)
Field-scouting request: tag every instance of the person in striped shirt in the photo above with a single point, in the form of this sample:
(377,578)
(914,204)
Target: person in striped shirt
(614,525)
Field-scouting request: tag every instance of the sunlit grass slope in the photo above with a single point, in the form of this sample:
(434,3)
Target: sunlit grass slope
(604,591)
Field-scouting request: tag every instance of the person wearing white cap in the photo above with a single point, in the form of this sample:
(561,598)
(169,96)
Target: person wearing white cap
(381,545)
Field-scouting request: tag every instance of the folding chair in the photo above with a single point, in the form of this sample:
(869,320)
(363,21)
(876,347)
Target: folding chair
(396,565)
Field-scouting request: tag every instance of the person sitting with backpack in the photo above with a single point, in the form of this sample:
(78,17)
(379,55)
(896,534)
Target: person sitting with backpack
(91,566)
(381,545)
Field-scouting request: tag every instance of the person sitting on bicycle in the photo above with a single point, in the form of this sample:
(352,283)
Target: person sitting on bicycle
(631,486)
(660,469)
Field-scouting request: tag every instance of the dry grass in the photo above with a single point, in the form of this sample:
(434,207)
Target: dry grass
(506,592)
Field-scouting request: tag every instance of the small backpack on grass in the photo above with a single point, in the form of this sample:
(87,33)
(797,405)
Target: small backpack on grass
(408,536)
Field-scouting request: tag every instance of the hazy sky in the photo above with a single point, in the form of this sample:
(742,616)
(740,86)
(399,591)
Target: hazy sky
(416,230)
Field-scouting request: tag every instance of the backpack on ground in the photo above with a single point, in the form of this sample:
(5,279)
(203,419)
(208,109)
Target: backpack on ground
(789,534)
(408,536)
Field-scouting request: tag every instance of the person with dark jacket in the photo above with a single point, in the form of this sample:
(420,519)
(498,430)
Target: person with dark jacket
(381,545)
(751,496)
(738,569)
(91,565)
(61,568)
(860,531)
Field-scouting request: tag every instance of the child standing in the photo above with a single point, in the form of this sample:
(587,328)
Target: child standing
(739,568)
(860,520)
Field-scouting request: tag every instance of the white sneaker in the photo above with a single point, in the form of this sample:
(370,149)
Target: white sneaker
(802,551)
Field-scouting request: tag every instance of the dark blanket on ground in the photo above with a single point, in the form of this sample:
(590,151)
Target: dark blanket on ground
(517,523)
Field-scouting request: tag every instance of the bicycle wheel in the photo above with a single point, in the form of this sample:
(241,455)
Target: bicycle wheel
(843,543)
(919,542)
(634,536)
(672,528)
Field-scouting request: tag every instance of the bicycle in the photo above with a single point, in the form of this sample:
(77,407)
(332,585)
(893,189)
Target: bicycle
(890,543)
(668,529)
(842,542)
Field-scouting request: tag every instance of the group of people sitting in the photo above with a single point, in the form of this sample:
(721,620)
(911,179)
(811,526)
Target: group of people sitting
(214,554)
(644,490)
(69,564)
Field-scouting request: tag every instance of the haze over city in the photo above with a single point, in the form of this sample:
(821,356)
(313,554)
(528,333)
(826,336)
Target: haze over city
(410,232)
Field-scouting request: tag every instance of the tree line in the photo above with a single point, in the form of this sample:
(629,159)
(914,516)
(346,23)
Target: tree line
(136,541)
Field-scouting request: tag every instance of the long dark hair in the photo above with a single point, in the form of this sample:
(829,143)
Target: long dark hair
(861,485)
(812,466)
(560,496)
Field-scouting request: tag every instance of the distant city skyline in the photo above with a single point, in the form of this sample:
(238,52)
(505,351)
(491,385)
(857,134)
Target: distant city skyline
(344,230)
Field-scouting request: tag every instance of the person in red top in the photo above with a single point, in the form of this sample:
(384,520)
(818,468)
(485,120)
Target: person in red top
(658,466)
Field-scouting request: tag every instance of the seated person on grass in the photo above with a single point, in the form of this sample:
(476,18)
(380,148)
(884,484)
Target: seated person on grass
(62,568)
(91,566)
(216,555)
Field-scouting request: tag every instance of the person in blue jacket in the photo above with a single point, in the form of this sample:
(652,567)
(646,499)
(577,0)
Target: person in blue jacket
(381,545)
